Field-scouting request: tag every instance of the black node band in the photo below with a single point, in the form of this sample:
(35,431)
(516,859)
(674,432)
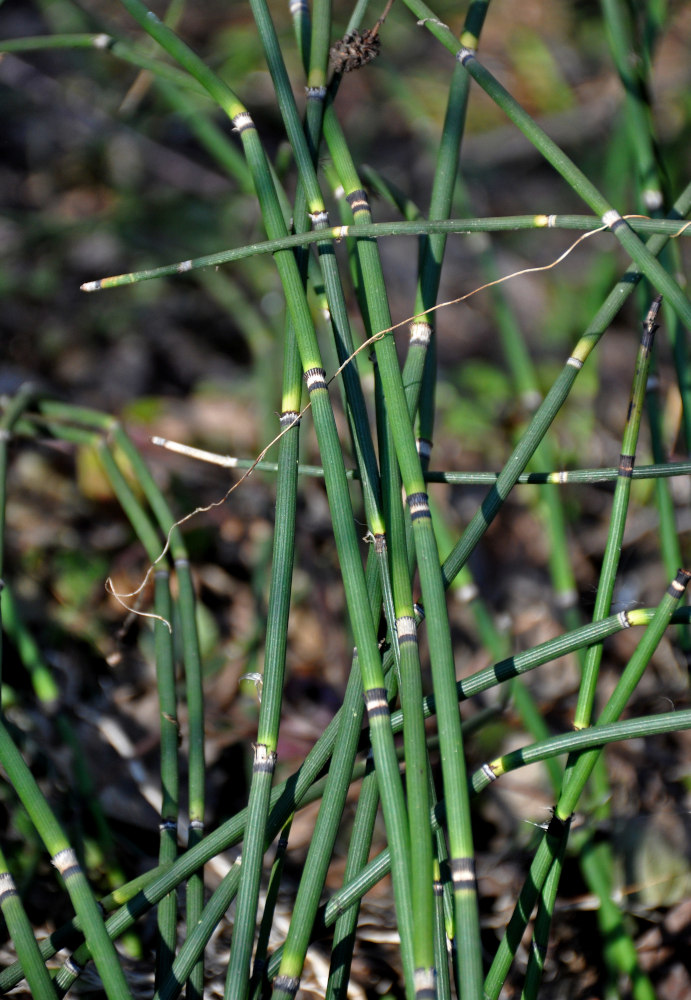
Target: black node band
(358,201)
(427,989)
(264,760)
(315,378)
(463,873)
(648,337)
(376,702)
(679,583)
(557,826)
(7,887)
(418,504)
(287,984)
(465,55)
(243,121)
(626,466)
(406,629)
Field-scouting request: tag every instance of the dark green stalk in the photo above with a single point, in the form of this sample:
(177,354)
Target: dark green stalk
(293,956)
(222,897)
(440,953)
(237,983)
(404,638)
(168,848)
(441,653)
(634,68)
(624,689)
(65,860)
(327,824)
(629,729)
(620,503)
(643,258)
(193,675)
(237,979)
(324,420)
(309,198)
(167,700)
(432,247)
(22,936)
(420,367)
(669,539)
(637,111)
(358,853)
(195,753)
(551,844)
(596,736)
(261,951)
(543,922)
(304,157)
(336,484)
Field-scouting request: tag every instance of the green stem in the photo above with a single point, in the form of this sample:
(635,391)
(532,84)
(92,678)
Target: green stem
(65,860)
(669,228)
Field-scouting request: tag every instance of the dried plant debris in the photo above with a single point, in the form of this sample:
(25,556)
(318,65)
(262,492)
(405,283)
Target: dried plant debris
(356,49)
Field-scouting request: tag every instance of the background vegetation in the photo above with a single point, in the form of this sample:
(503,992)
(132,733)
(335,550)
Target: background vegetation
(105,171)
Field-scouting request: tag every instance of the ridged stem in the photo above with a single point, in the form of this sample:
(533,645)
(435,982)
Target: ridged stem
(620,503)
(376,230)
(557,832)
(551,405)
(64,858)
